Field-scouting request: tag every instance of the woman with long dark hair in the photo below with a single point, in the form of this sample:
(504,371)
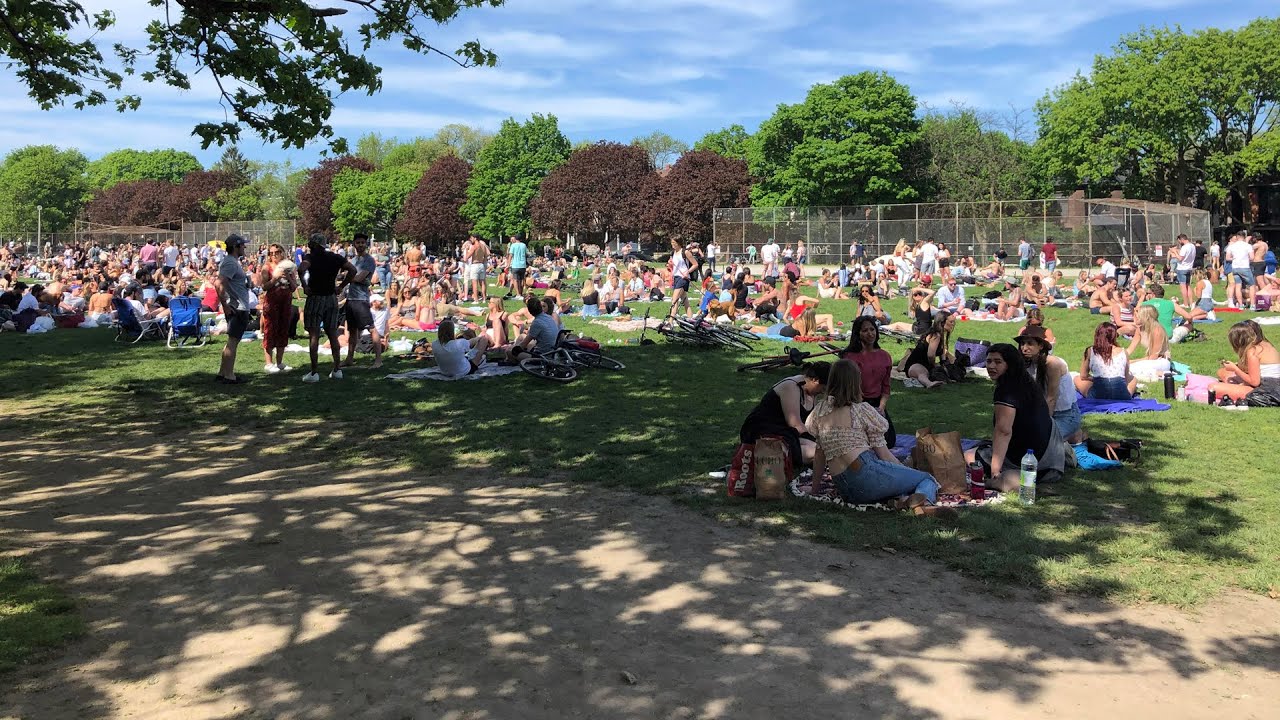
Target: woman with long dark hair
(1020,422)
(1054,378)
(932,347)
(874,366)
(869,304)
(1104,370)
(784,408)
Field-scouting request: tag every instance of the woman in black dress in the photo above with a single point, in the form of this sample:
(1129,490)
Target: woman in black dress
(784,408)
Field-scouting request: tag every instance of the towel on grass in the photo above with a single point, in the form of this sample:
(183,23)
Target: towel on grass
(486,371)
(1267,320)
(981,316)
(801,486)
(1095,406)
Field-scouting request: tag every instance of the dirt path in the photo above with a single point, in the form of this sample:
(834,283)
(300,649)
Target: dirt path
(221,588)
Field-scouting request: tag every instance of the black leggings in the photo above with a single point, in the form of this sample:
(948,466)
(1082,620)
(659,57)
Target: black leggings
(890,435)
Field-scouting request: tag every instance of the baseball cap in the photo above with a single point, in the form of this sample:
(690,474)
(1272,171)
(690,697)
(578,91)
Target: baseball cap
(233,240)
(318,239)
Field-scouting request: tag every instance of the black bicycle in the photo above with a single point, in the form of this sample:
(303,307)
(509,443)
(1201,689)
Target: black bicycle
(561,363)
(793,357)
(698,332)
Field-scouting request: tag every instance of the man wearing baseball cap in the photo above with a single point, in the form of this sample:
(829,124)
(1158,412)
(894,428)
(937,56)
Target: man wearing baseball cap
(319,270)
(232,285)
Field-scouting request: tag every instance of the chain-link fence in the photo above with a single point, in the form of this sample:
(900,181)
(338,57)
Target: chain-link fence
(257,232)
(1082,229)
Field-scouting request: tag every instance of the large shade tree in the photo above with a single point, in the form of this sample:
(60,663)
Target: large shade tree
(135,202)
(41,187)
(596,189)
(120,166)
(972,162)
(369,202)
(188,201)
(508,171)
(315,195)
(433,211)
(277,65)
(851,142)
(682,203)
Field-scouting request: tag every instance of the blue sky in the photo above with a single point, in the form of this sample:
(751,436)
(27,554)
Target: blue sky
(615,69)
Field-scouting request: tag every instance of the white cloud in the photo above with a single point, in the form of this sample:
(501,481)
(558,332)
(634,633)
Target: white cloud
(521,43)
(664,74)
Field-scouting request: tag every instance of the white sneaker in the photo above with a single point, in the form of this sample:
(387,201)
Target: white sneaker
(335,375)
(311,377)
(271,369)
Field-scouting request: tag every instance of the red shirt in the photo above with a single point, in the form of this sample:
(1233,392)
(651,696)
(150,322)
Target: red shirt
(875,367)
(1050,251)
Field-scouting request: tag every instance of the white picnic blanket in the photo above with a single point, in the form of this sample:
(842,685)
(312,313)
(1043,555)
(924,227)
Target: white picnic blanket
(486,371)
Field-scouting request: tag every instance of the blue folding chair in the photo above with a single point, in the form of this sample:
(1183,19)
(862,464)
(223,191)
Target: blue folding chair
(131,329)
(185,328)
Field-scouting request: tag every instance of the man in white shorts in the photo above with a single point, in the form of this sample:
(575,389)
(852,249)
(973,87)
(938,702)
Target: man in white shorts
(477,257)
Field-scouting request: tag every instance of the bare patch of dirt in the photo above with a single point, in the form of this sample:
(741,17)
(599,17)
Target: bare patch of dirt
(223,582)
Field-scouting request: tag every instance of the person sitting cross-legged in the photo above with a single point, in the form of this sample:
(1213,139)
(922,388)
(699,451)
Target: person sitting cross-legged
(458,356)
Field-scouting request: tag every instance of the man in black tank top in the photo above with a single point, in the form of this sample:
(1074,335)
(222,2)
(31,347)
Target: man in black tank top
(319,270)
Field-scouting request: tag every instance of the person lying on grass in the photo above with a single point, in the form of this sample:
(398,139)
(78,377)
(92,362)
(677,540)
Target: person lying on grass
(1258,365)
(851,445)
(1020,422)
(933,346)
(783,409)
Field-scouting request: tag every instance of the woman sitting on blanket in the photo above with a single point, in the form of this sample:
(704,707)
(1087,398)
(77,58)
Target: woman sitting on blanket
(921,311)
(934,345)
(1035,318)
(590,298)
(1203,292)
(850,444)
(1010,308)
(869,305)
(455,356)
(1020,422)
(1151,336)
(783,410)
(797,304)
(1258,367)
(829,286)
(495,324)
(1104,370)
(875,366)
(1122,313)
(1054,378)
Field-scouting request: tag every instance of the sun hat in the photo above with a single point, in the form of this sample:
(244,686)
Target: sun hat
(1034,332)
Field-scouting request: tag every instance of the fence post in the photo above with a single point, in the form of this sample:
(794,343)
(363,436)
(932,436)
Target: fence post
(1000,222)
(957,242)
(1088,222)
(917,232)
(840,231)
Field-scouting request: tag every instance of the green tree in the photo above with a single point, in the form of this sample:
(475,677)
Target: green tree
(235,164)
(419,151)
(241,203)
(852,142)
(507,173)
(368,201)
(124,165)
(465,141)
(41,185)
(970,161)
(276,185)
(277,63)
(731,142)
(662,148)
(374,147)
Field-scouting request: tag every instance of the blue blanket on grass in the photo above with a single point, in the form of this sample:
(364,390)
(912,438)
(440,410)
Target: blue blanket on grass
(1095,406)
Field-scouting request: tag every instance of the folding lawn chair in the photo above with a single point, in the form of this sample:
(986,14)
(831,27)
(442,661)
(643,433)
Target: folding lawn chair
(130,328)
(184,323)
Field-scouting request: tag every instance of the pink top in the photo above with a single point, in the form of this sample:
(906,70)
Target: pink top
(875,367)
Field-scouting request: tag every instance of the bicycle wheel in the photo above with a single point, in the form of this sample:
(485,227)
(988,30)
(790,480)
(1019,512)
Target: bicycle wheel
(548,370)
(592,359)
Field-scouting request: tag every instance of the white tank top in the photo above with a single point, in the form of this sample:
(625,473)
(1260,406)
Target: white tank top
(1207,293)
(1270,370)
(1066,391)
(1114,369)
(679,266)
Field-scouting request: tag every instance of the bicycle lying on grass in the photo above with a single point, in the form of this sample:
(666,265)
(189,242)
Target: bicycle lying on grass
(561,363)
(699,332)
(792,357)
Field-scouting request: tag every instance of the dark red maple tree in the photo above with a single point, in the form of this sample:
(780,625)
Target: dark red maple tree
(431,212)
(315,195)
(681,202)
(596,189)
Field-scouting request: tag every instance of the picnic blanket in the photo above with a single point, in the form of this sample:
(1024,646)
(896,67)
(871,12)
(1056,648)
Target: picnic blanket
(981,316)
(902,448)
(486,371)
(1095,406)
(801,486)
(1267,320)
(627,325)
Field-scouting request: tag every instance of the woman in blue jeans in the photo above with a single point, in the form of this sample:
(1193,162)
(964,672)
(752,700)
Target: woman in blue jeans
(850,435)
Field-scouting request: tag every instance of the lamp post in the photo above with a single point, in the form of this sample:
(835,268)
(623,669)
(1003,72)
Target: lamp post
(39,223)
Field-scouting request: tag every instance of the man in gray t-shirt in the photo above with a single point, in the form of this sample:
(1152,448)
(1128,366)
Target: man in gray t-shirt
(359,314)
(233,291)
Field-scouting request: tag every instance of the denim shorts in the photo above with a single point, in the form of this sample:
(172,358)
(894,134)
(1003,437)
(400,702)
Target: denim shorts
(1244,273)
(1068,421)
(1183,276)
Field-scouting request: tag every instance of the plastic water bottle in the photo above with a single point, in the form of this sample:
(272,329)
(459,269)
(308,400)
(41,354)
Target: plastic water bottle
(1027,488)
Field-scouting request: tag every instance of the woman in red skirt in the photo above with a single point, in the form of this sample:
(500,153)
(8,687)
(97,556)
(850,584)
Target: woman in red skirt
(278,280)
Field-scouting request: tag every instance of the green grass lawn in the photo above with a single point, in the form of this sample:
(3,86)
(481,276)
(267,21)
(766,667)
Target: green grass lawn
(1196,517)
(33,615)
